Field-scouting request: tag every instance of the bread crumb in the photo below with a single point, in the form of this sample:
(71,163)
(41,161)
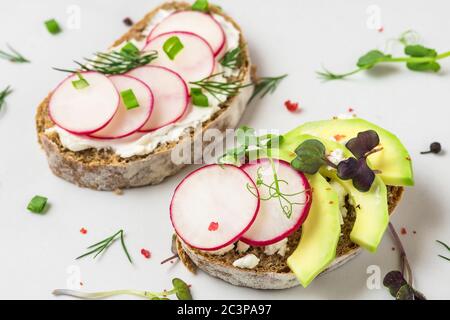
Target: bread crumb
(118,192)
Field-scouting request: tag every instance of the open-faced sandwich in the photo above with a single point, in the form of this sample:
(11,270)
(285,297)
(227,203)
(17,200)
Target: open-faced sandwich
(115,120)
(296,206)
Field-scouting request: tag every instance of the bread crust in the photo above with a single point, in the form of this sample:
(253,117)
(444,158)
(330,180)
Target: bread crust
(267,279)
(102,169)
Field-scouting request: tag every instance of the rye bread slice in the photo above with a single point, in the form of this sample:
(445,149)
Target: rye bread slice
(272,271)
(103,169)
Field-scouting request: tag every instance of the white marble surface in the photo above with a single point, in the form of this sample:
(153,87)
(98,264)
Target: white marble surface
(285,36)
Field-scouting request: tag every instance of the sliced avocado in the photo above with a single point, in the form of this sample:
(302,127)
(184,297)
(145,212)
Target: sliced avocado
(320,231)
(393,161)
(372,215)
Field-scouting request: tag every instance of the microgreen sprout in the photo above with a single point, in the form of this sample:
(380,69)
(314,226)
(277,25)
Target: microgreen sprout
(417,58)
(400,283)
(274,191)
(180,289)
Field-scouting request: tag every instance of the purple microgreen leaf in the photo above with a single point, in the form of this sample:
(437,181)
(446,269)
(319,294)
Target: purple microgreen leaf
(347,169)
(394,280)
(363,143)
(364,178)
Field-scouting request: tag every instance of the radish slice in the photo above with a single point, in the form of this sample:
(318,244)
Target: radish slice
(170,93)
(194,62)
(211,208)
(87,110)
(272,223)
(126,122)
(200,23)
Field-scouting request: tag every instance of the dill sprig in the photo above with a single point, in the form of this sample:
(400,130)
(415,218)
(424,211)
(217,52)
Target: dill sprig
(3,94)
(101,246)
(13,56)
(275,192)
(446,246)
(114,62)
(218,88)
(232,59)
(266,85)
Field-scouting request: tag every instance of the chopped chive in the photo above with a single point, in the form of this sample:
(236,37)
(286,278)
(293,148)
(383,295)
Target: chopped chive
(37,204)
(81,83)
(201,5)
(172,47)
(129,99)
(129,49)
(198,98)
(53,26)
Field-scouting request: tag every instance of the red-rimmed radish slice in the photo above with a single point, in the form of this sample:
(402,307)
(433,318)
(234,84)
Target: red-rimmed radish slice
(272,223)
(211,208)
(194,62)
(170,93)
(200,23)
(86,110)
(126,122)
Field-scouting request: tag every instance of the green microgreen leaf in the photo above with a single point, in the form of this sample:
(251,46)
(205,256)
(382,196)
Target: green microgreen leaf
(52,26)
(129,99)
(232,59)
(424,66)
(13,55)
(198,98)
(101,246)
(266,85)
(172,47)
(418,50)
(3,94)
(37,204)
(371,58)
(81,83)
(201,5)
(182,289)
(310,156)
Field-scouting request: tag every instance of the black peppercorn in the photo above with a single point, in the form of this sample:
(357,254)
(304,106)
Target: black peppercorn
(435,147)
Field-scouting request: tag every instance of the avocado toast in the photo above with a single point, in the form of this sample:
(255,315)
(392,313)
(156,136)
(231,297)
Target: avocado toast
(347,213)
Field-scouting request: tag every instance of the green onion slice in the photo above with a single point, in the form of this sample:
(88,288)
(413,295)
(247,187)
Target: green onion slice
(37,204)
(129,49)
(129,99)
(198,98)
(81,83)
(52,26)
(201,5)
(172,47)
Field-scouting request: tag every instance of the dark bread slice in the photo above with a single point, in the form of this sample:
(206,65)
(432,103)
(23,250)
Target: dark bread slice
(103,169)
(272,271)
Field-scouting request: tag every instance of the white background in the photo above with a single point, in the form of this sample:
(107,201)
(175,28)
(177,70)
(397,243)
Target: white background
(285,36)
